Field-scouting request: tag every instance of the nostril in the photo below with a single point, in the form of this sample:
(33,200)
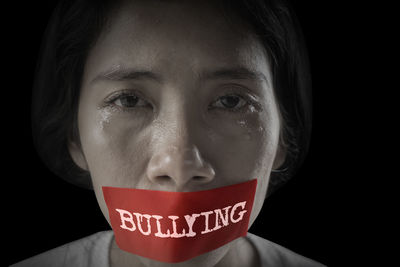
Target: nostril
(201,179)
(163,179)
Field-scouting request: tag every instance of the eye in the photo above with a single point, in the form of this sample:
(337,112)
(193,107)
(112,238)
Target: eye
(230,102)
(127,100)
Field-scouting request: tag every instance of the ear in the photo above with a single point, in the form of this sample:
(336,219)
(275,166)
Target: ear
(279,157)
(77,155)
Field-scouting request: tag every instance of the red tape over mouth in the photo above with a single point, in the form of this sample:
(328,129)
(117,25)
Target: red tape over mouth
(177,226)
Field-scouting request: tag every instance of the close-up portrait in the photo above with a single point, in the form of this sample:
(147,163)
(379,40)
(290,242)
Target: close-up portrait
(172,133)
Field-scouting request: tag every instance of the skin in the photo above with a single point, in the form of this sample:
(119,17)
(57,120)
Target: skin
(180,135)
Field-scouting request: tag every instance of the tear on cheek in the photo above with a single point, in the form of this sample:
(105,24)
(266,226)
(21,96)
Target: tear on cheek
(250,127)
(104,118)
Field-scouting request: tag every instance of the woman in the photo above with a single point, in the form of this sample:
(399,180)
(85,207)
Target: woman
(173,96)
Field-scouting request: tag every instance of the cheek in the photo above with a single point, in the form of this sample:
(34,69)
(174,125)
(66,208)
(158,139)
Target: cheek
(112,147)
(249,144)
(246,143)
(114,152)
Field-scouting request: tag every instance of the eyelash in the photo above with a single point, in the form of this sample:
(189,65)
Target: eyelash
(247,103)
(110,101)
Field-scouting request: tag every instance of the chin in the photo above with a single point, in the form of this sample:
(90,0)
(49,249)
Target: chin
(210,258)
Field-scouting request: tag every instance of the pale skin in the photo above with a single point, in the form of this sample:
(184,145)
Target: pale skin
(174,99)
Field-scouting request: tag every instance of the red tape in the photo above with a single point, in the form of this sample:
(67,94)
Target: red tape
(177,226)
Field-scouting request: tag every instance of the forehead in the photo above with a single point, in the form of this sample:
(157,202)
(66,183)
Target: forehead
(160,35)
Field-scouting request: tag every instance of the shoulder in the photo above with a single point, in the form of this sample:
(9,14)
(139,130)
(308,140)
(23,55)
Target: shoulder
(272,254)
(89,251)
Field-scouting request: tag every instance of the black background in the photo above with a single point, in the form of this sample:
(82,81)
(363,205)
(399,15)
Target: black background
(311,215)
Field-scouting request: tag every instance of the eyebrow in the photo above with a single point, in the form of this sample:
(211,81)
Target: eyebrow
(124,74)
(236,73)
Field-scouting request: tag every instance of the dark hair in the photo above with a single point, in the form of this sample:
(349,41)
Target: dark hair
(74,28)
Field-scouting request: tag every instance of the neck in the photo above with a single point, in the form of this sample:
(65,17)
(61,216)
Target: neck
(239,252)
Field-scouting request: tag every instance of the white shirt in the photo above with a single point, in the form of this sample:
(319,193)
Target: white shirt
(93,251)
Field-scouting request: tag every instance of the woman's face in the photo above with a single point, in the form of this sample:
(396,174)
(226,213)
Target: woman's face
(175,98)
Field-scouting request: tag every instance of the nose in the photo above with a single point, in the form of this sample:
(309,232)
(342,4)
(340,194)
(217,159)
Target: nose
(179,168)
(178,148)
